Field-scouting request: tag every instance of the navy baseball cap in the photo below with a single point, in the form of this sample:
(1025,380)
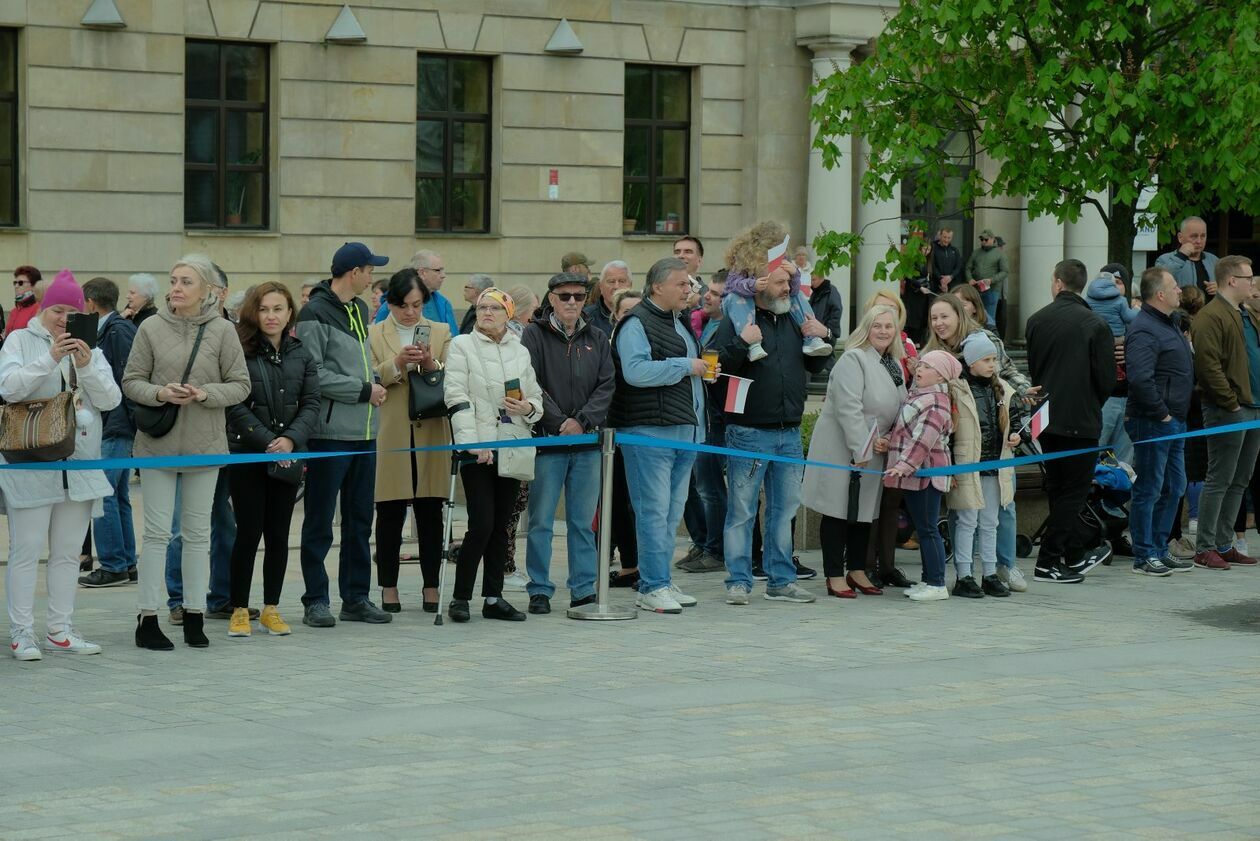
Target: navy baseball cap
(352,255)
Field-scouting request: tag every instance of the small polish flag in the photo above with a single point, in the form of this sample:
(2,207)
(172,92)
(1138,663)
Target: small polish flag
(777,255)
(736,393)
(1040,420)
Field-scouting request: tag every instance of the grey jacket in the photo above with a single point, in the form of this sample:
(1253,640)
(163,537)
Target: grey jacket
(989,264)
(334,333)
(1182,268)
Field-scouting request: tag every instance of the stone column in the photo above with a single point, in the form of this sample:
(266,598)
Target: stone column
(1086,238)
(1040,248)
(879,223)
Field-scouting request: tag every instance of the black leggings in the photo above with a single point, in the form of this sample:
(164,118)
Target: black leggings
(390,518)
(490,499)
(624,539)
(264,511)
(842,540)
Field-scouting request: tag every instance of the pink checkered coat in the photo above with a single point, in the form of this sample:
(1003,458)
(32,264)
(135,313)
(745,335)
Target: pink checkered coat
(920,438)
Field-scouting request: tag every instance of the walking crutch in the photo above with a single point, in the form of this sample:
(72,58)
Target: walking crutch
(447,522)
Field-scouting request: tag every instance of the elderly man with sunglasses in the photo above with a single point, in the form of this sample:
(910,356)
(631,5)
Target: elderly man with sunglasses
(573,362)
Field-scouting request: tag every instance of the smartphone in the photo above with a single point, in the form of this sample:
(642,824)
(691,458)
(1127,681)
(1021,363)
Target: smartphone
(422,334)
(82,325)
(512,388)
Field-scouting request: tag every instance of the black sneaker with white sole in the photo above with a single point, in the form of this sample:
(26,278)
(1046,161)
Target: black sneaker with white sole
(1176,564)
(104,578)
(803,573)
(1057,574)
(758,572)
(1152,566)
(1091,559)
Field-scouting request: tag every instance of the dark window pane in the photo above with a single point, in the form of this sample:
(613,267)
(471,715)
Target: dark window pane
(8,62)
(670,201)
(469,154)
(201,136)
(430,144)
(639,93)
(245,136)
(636,158)
(7,150)
(201,70)
(200,198)
(431,87)
(671,153)
(634,206)
(245,198)
(8,211)
(246,73)
(468,203)
(470,85)
(671,95)
(429,203)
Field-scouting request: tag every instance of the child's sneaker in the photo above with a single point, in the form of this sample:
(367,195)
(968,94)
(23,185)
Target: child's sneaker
(814,346)
(756,351)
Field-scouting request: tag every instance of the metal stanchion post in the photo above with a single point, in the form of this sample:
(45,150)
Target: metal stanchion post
(601,608)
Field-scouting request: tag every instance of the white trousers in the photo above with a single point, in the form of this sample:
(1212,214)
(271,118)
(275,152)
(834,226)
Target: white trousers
(60,529)
(196,489)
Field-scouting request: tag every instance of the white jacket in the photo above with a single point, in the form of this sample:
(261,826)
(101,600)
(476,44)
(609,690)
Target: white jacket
(27,372)
(477,367)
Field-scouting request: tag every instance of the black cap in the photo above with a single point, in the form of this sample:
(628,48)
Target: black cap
(352,255)
(567,279)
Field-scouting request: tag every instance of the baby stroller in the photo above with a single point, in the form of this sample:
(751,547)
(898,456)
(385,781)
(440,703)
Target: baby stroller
(1106,511)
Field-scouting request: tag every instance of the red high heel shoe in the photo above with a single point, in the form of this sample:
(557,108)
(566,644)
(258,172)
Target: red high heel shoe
(841,594)
(866,591)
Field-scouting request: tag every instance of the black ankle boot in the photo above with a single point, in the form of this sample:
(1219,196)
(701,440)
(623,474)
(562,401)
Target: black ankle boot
(194,633)
(149,635)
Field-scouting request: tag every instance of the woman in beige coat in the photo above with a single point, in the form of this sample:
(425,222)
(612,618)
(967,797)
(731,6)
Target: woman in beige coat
(418,480)
(865,390)
(218,379)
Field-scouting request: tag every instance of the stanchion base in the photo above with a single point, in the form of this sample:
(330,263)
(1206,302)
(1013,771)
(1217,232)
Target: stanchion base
(600,611)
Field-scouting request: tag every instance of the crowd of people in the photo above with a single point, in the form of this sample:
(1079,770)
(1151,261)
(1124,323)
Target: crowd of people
(364,370)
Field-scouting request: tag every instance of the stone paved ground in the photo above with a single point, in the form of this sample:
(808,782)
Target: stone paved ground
(1125,707)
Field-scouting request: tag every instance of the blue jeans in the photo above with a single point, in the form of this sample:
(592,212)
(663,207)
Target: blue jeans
(114,530)
(1114,433)
(925,510)
(222,538)
(354,477)
(657,479)
(577,474)
(783,495)
(990,298)
(710,473)
(1161,480)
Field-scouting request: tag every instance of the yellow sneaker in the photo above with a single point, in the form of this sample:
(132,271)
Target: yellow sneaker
(271,623)
(240,625)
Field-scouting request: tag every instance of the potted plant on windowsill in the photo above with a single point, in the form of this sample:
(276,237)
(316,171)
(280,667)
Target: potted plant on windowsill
(632,210)
(238,186)
(428,198)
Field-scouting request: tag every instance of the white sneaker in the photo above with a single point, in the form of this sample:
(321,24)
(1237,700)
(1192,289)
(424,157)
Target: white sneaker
(930,594)
(660,600)
(1240,543)
(1193,526)
(915,587)
(815,346)
(756,351)
(1013,578)
(681,597)
(22,645)
(70,642)
(737,594)
(515,582)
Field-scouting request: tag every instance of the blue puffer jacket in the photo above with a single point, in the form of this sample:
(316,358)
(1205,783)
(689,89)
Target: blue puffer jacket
(115,340)
(1106,299)
(1160,367)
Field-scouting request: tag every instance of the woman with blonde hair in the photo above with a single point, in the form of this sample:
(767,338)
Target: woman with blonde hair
(185,369)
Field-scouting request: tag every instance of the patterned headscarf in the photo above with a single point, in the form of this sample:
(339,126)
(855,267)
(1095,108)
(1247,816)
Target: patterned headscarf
(499,297)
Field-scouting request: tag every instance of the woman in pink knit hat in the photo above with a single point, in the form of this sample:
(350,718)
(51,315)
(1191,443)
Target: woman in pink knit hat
(53,507)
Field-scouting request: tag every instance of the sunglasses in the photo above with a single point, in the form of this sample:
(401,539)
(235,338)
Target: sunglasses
(570,296)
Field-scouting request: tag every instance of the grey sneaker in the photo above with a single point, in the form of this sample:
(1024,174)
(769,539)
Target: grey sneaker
(318,616)
(791,593)
(177,615)
(704,562)
(364,611)
(693,552)
(1176,564)
(1152,566)
(737,593)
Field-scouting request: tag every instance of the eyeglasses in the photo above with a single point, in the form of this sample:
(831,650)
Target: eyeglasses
(23,283)
(438,269)
(1250,277)
(569,296)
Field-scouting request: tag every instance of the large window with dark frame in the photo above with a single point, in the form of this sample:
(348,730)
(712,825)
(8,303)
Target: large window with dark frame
(452,143)
(657,164)
(8,128)
(225,135)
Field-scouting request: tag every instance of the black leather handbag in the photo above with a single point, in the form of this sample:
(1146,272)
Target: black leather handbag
(426,397)
(156,421)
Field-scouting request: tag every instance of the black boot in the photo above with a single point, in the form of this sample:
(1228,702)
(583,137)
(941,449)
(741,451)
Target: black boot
(149,635)
(194,633)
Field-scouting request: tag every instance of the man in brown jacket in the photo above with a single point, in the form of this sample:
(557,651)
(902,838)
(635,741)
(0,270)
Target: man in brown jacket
(1226,339)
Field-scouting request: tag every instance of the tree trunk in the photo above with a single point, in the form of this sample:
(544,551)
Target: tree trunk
(1121,230)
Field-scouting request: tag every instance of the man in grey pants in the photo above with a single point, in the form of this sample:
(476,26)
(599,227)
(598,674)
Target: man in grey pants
(1226,337)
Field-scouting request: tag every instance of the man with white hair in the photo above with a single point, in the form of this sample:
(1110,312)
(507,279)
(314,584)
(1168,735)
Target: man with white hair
(432,269)
(1190,264)
(614,276)
(476,284)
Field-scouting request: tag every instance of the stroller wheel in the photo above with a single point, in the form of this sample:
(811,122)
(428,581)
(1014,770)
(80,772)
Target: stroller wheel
(1023,546)
(943,528)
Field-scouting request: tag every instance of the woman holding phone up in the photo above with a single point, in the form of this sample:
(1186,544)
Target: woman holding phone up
(404,342)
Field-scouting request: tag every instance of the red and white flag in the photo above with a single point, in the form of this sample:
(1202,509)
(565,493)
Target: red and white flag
(736,393)
(1040,421)
(777,255)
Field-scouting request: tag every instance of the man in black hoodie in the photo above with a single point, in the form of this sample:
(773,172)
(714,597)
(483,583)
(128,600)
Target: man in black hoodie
(573,363)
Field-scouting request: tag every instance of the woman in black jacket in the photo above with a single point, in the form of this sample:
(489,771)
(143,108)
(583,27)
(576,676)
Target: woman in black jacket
(277,417)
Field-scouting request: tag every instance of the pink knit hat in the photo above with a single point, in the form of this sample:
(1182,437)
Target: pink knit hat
(63,290)
(943,363)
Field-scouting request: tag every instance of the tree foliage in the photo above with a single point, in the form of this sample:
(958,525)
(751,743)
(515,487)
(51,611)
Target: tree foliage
(1071,98)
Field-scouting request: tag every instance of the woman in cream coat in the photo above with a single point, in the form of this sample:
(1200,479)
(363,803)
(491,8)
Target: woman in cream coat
(866,388)
(479,368)
(415,480)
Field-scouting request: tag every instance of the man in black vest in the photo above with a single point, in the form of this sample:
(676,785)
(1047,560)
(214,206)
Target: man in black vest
(659,394)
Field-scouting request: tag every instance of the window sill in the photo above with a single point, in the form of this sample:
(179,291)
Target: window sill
(670,237)
(427,234)
(230,232)
(14,229)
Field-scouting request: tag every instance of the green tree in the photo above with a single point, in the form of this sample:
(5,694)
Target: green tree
(1070,97)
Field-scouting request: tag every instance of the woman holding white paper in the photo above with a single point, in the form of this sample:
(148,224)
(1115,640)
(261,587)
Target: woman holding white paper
(865,390)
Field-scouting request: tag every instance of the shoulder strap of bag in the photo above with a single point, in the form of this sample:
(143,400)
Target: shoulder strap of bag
(275,411)
(192,357)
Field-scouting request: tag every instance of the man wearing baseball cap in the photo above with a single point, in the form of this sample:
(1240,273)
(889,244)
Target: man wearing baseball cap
(333,326)
(987,270)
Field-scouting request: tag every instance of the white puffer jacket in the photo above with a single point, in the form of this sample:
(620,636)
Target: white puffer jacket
(477,367)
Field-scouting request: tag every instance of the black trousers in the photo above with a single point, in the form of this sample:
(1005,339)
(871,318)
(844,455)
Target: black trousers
(264,511)
(883,543)
(623,535)
(491,499)
(842,542)
(390,518)
(1068,482)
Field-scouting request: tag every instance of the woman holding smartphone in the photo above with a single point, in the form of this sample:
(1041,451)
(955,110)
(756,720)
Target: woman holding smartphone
(403,343)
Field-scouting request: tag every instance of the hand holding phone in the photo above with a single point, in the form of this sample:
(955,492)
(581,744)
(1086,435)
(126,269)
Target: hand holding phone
(512,388)
(83,326)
